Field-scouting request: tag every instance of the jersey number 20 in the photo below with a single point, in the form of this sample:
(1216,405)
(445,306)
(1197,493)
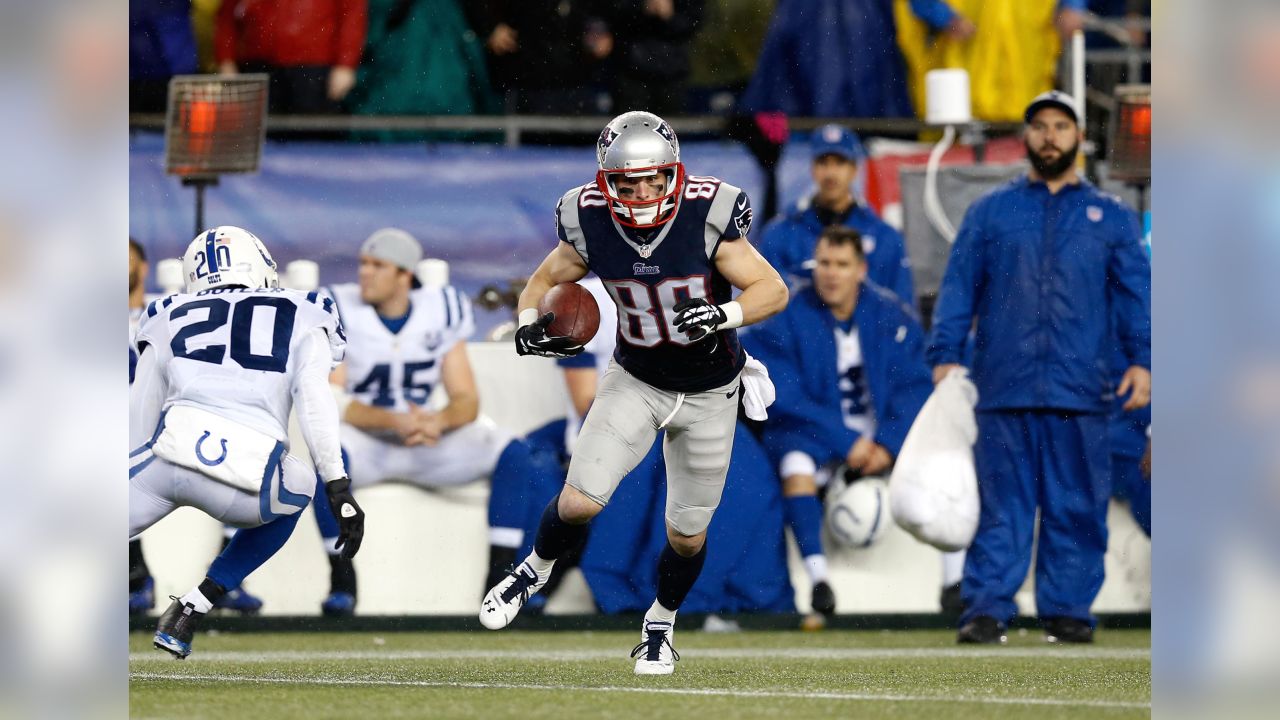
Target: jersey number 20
(241,332)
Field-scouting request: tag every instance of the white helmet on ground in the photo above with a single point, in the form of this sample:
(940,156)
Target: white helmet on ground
(857,512)
(639,144)
(228,255)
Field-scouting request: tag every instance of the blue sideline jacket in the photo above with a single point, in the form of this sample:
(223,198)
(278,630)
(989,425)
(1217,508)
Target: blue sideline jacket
(835,58)
(789,241)
(799,347)
(1043,274)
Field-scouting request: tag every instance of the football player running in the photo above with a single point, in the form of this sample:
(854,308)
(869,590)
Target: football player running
(669,249)
(220,367)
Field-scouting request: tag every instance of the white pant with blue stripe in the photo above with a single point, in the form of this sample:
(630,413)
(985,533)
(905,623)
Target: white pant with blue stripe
(158,487)
(463,455)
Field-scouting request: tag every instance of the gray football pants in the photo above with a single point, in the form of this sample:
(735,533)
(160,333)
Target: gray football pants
(620,429)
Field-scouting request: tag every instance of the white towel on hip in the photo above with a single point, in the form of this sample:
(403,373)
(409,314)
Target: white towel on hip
(757,389)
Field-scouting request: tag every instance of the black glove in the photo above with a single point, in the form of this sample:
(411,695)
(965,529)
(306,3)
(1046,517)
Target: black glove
(532,340)
(697,318)
(348,514)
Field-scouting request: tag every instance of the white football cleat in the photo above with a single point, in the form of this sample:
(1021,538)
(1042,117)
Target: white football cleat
(503,602)
(655,654)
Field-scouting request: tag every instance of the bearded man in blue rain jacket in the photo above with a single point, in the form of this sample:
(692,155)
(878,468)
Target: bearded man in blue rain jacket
(1042,264)
(847,360)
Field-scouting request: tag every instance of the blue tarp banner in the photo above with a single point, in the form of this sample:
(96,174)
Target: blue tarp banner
(488,210)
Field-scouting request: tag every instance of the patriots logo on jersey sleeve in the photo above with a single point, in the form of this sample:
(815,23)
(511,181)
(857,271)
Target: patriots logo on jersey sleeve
(742,215)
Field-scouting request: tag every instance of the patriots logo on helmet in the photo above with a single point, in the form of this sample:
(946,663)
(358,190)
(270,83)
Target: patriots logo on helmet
(667,133)
(606,138)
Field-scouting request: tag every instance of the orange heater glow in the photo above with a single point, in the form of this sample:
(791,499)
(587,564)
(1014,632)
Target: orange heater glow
(215,125)
(1131,134)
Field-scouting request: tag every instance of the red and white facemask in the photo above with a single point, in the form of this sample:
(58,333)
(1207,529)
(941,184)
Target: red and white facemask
(643,213)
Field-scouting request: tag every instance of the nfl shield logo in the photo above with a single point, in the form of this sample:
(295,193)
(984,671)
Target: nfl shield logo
(1094,213)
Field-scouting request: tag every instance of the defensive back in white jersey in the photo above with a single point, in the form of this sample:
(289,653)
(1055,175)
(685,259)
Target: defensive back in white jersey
(219,371)
(233,351)
(389,370)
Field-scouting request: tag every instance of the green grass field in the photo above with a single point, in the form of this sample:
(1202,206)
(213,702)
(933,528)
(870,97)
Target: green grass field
(789,675)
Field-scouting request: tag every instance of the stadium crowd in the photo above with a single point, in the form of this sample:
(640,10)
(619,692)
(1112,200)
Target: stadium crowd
(566,57)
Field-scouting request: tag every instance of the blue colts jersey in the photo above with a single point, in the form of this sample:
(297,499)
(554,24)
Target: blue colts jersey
(648,274)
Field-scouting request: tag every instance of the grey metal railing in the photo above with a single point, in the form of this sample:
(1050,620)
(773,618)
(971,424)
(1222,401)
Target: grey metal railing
(513,127)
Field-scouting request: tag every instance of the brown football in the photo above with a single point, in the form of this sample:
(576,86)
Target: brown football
(577,314)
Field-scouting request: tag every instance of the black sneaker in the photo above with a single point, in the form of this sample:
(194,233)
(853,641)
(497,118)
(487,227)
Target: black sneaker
(950,600)
(982,630)
(823,599)
(177,627)
(1067,630)
(341,601)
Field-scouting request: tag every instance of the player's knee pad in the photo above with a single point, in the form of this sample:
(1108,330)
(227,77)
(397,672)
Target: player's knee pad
(689,521)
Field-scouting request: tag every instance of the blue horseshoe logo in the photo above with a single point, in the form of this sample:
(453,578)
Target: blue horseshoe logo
(200,456)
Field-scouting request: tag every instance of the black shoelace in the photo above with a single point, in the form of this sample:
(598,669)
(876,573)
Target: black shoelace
(652,645)
(520,587)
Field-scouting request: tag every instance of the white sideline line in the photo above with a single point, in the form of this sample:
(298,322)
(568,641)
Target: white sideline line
(570,655)
(655,691)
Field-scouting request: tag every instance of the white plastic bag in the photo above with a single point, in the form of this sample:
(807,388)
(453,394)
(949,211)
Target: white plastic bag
(933,492)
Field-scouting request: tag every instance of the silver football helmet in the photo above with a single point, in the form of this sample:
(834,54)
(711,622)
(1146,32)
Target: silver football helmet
(639,144)
(228,255)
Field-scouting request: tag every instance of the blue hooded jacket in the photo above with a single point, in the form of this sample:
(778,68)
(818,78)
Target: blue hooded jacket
(830,58)
(799,347)
(162,42)
(1042,275)
(789,241)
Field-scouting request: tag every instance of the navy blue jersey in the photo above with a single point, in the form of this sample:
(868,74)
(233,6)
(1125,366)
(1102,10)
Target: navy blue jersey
(648,274)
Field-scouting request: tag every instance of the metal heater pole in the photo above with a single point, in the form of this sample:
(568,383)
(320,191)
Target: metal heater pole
(199,209)
(200,184)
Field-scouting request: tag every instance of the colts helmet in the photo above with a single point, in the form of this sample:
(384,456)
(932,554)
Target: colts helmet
(857,510)
(228,255)
(639,144)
